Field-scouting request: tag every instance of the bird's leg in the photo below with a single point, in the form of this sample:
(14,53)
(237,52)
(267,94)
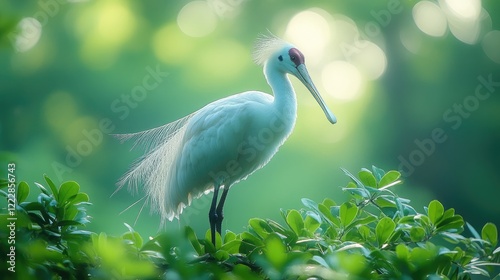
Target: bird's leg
(212,215)
(219,211)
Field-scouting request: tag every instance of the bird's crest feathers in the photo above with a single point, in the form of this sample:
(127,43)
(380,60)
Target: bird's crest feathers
(265,46)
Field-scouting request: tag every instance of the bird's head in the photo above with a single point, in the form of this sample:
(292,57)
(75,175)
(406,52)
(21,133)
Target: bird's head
(284,57)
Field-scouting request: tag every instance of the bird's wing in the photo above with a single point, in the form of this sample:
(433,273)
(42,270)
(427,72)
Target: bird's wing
(213,139)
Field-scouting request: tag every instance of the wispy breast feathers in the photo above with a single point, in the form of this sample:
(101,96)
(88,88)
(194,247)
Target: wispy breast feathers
(265,46)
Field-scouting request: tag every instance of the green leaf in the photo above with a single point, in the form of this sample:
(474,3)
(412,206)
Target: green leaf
(221,255)
(67,191)
(490,233)
(385,202)
(275,251)
(435,211)
(348,212)
(496,251)
(452,237)
(135,237)
(51,184)
(366,220)
(378,173)
(417,234)
(311,224)
(276,227)
(328,202)
(23,190)
(389,177)
(327,214)
(473,231)
(70,212)
(208,243)
(402,252)
(229,236)
(454,224)
(448,213)
(42,188)
(309,203)
(249,242)
(335,210)
(78,234)
(294,220)
(367,178)
(365,232)
(232,247)
(68,223)
(79,198)
(191,236)
(351,185)
(260,227)
(384,229)
(358,192)
(102,242)
(423,219)
(320,261)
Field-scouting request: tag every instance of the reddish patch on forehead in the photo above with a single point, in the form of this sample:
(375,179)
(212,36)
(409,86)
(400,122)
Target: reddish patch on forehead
(296,56)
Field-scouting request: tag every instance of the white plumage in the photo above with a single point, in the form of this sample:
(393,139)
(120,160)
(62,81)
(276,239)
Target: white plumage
(223,142)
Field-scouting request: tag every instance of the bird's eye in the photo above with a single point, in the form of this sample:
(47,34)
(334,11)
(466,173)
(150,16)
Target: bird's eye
(296,57)
(280,58)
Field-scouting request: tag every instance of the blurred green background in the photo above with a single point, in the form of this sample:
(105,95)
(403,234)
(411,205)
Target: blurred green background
(415,86)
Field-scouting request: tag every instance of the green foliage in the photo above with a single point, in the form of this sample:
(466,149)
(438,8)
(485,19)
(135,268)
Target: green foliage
(374,235)
(48,236)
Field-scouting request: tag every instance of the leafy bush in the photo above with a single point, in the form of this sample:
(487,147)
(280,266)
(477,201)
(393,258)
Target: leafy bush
(374,235)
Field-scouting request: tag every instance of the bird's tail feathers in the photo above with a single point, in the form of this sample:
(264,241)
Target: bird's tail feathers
(152,138)
(156,167)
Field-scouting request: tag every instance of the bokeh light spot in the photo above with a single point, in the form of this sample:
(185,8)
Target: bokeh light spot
(221,61)
(466,19)
(342,80)
(29,34)
(411,38)
(57,104)
(105,27)
(310,31)
(429,18)
(170,45)
(491,45)
(75,134)
(115,23)
(346,29)
(370,60)
(465,9)
(196,19)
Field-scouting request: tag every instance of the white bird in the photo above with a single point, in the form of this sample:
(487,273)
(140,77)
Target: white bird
(223,142)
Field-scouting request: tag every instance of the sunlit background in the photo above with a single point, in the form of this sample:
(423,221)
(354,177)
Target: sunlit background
(415,86)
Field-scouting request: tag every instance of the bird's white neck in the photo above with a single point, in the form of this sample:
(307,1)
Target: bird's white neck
(285,101)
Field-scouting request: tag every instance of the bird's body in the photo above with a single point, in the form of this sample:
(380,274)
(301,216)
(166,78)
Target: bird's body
(223,142)
(227,140)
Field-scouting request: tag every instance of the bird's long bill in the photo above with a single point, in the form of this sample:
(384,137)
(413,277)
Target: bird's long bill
(306,80)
